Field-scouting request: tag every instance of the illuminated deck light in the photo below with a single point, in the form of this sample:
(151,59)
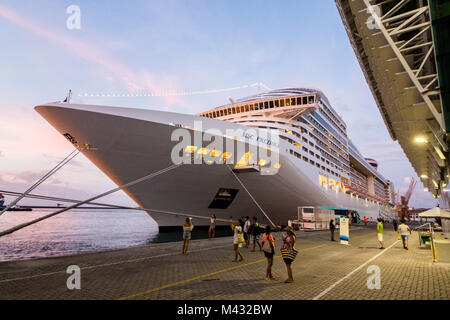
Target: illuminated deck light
(420,140)
(216,153)
(226,155)
(203,151)
(190,149)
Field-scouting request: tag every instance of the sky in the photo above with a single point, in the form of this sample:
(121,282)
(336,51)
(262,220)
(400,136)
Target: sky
(164,47)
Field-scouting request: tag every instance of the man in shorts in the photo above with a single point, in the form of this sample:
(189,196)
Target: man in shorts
(404,231)
(380,232)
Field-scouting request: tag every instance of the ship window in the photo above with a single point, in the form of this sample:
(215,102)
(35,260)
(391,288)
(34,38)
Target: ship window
(292,101)
(271,104)
(312,162)
(277,103)
(299,101)
(261,106)
(328,170)
(282,103)
(304,149)
(317,165)
(305,100)
(323,168)
(225,112)
(242,109)
(234,110)
(266,105)
(246,108)
(251,107)
(311,99)
(311,153)
(305,158)
(221,113)
(288,102)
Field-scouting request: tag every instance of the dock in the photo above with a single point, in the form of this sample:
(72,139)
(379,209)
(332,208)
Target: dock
(323,270)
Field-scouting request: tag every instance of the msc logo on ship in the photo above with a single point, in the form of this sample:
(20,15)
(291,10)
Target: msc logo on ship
(70,138)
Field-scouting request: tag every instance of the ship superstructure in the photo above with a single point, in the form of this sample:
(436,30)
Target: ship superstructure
(316,134)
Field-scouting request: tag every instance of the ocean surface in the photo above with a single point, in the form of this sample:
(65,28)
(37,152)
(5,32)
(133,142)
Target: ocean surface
(80,231)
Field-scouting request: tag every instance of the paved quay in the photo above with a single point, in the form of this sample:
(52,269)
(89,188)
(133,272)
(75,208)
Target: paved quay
(323,270)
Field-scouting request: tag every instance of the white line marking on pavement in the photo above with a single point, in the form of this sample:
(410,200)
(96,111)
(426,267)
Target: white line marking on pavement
(348,275)
(111,264)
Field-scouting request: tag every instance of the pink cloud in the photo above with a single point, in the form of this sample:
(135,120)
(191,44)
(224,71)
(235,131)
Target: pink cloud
(133,82)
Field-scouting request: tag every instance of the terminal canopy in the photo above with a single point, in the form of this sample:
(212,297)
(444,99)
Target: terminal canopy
(435,213)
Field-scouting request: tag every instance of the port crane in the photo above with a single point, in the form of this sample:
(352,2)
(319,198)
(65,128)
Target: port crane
(402,205)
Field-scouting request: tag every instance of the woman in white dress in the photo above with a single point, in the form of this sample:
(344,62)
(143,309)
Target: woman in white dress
(238,239)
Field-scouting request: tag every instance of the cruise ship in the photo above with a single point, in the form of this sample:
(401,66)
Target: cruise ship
(266,156)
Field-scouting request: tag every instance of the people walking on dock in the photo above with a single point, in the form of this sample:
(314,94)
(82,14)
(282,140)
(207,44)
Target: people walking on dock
(2,199)
(365,221)
(255,231)
(187,230)
(238,239)
(380,232)
(288,251)
(268,246)
(404,231)
(212,227)
(247,235)
(332,228)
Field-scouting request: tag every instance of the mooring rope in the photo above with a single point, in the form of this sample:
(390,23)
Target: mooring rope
(129,184)
(42,197)
(66,160)
(254,200)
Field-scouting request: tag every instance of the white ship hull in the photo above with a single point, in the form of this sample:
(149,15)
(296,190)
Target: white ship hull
(127,144)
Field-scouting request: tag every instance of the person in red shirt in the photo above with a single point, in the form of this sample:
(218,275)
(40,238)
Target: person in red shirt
(268,245)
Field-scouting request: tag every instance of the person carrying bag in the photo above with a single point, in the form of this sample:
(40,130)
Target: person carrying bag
(288,252)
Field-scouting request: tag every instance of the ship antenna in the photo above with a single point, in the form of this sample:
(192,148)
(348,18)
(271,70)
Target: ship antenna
(69,95)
